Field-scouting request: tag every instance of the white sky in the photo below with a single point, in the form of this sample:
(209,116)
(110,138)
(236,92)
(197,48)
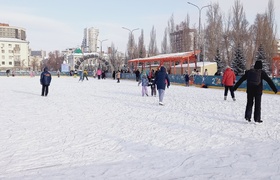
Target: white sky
(57,25)
(100,129)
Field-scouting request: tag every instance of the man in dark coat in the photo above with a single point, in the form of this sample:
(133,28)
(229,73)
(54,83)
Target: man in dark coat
(187,78)
(137,74)
(162,80)
(45,81)
(254,79)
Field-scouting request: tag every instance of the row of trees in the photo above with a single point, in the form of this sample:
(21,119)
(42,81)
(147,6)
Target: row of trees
(229,38)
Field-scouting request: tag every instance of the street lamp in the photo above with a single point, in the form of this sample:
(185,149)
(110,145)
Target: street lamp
(199,28)
(101,41)
(131,31)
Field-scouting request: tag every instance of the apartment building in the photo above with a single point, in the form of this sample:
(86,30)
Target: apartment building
(89,44)
(14,49)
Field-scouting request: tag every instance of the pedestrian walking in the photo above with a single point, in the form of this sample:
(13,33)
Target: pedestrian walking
(254,91)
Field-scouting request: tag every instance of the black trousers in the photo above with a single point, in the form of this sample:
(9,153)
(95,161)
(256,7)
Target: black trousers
(85,77)
(250,102)
(45,90)
(230,88)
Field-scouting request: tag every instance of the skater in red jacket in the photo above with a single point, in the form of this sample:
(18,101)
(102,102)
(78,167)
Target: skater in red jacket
(228,82)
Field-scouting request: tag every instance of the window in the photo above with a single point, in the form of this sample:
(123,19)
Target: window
(3,62)
(3,57)
(10,57)
(10,51)
(10,63)
(10,45)
(3,51)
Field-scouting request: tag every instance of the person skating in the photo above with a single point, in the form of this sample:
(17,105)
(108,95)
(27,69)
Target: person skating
(187,78)
(85,74)
(144,81)
(228,82)
(153,87)
(254,90)
(118,76)
(162,80)
(45,81)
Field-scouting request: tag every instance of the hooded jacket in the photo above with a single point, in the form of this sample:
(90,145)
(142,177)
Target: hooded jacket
(257,89)
(161,79)
(228,77)
(45,78)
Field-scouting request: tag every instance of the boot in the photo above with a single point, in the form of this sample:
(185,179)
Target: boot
(225,98)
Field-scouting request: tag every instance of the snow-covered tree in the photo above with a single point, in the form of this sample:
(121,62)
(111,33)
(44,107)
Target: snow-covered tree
(219,61)
(261,56)
(238,62)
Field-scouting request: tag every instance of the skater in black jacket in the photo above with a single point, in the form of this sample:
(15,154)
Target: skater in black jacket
(254,91)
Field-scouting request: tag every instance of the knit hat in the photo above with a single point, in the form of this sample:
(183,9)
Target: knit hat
(258,65)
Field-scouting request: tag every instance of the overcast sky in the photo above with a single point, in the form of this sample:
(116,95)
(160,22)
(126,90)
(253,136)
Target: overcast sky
(57,25)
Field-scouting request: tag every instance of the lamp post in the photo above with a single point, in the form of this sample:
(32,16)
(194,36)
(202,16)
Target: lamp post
(131,33)
(199,28)
(101,41)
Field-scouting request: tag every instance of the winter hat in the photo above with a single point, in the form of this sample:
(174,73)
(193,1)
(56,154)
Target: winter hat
(258,65)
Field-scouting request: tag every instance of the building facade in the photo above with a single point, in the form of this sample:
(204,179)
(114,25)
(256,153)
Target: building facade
(183,39)
(14,49)
(7,31)
(89,44)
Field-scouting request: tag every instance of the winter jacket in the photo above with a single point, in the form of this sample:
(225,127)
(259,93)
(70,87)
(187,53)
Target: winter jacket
(144,81)
(45,78)
(187,78)
(99,72)
(161,79)
(118,75)
(228,77)
(255,89)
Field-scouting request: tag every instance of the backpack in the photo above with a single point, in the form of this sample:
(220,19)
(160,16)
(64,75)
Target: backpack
(254,77)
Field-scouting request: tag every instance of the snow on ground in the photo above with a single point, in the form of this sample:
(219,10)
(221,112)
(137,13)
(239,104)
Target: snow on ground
(100,129)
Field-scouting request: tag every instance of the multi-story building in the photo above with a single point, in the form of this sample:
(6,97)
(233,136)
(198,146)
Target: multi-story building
(89,44)
(278,46)
(7,31)
(14,49)
(183,39)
